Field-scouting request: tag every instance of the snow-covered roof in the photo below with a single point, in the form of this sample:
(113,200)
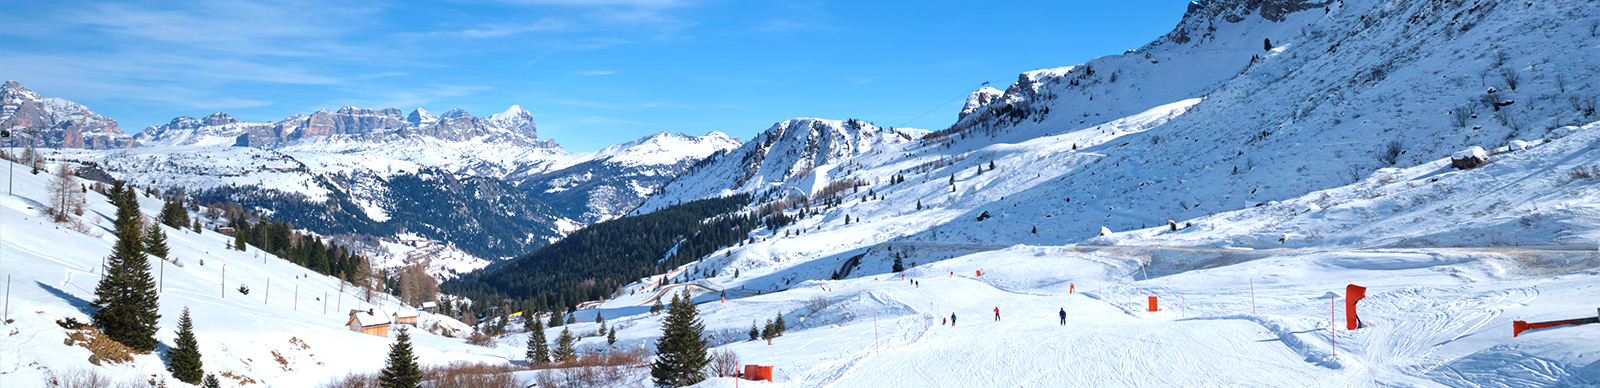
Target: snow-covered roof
(366,319)
(406,314)
(429,305)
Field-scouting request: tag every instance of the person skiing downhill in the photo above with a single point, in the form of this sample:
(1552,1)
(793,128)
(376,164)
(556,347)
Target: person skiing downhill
(997,314)
(952,319)
(1063,315)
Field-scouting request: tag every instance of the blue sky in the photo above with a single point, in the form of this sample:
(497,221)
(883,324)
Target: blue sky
(592,72)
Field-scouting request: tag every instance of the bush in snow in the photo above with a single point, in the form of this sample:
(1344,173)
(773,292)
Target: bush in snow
(1390,153)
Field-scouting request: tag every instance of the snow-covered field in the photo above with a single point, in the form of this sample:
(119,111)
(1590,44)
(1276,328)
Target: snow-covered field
(287,332)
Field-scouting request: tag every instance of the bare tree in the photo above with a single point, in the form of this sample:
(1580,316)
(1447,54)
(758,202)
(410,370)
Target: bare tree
(416,287)
(66,195)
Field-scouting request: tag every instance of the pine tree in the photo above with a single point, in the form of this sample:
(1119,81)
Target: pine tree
(555,318)
(211,382)
(779,326)
(611,337)
(572,318)
(680,352)
(564,346)
(1268,44)
(601,320)
(238,236)
(401,370)
(754,332)
(538,349)
(197,225)
(185,354)
(919,204)
(125,298)
(172,213)
(156,242)
(656,308)
(898,266)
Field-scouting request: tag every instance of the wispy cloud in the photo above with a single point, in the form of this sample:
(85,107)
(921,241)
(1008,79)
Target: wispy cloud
(406,99)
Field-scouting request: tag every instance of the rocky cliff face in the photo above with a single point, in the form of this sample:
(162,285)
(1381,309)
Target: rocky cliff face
(56,123)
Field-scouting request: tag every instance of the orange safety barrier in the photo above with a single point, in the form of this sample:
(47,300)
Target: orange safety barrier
(1352,294)
(1517,327)
(758,373)
(1071,287)
(1153,306)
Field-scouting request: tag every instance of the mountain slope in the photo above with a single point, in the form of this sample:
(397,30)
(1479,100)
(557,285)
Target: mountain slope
(59,123)
(288,331)
(796,154)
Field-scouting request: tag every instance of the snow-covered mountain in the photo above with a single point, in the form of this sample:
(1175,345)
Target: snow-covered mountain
(381,178)
(56,122)
(797,154)
(1280,148)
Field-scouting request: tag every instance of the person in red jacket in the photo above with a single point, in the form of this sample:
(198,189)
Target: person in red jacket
(997,314)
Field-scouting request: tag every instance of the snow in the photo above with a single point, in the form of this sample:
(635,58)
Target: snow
(53,271)
(1472,152)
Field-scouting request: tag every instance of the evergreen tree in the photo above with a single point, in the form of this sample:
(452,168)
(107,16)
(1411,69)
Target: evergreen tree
(571,319)
(611,337)
(779,327)
(401,370)
(538,349)
(1035,230)
(565,351)
(897,265)
(211,382)
(601,320)
(919,204)
(125,298)
(238,235)
(156,242)
(754,332)
(555,318)
(1267,44)
(656,308)
(196,225)
(769,332)
(680,352)
(172,213)
(185,354)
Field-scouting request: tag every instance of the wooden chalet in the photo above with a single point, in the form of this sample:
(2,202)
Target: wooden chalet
(405,317)
(368,322)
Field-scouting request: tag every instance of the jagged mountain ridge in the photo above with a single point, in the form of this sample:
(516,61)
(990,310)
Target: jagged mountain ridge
(345,173)
(792,155)
(58,122)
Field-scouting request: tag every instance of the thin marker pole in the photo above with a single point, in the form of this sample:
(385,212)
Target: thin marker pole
(161,281)
(324,303)
(8,298)
(268,293)
(297,297)
(224,283)
(1333,341)
(1252,296)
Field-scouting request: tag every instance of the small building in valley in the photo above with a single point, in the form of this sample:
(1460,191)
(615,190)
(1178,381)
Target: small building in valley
(366,321)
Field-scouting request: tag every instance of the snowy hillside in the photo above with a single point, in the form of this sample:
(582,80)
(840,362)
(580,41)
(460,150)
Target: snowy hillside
(288,331)
(1296,146)
(796,154)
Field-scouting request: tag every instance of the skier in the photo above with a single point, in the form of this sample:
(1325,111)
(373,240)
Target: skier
(1063,315)
(952,319)
(944,321)
(997,314)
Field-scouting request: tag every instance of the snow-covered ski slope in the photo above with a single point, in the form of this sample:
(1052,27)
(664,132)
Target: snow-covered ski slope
(1274,165)
(277,335)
